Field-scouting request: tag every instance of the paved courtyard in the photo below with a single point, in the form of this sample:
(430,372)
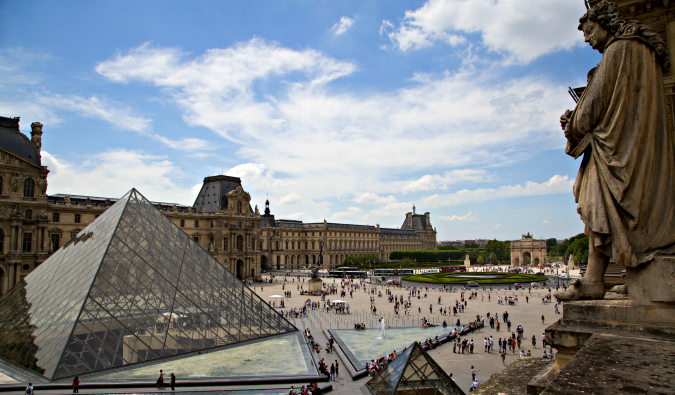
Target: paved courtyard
(527,314)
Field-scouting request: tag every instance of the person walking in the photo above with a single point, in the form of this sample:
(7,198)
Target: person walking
(534,341)
(337,370)
(542,319)
(76,385)
(173,381)
(332,372)
(160,380)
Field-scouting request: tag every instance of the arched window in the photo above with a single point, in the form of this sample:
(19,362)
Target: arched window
(182,223)
(238,207)
(28,214)
(240,243)
(28,188)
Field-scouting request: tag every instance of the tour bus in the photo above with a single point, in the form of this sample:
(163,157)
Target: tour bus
(393,272)
(431,271)
(453,269)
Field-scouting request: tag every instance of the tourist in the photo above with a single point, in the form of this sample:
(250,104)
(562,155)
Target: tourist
(160,380)
(332,372)
(503,354)
(76,385)
(292,391)
(542,319)
(337,369)
(534,342)
(172,383)
(473,373)
(29,389)
(474,386)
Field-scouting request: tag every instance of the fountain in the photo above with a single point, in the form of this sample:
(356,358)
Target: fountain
(382,325)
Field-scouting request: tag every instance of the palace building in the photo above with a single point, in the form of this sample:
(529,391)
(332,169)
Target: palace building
(33,225)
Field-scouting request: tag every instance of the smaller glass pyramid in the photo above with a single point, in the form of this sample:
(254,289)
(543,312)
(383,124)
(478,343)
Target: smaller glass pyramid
(131,287)
(413,372)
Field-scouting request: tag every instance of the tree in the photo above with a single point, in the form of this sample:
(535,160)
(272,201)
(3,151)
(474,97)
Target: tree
(471,245)
(480,260)
(551,244)
(579,248)
(447,247)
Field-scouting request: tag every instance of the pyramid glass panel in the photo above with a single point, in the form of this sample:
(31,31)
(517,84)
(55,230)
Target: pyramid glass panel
(413,372)
(131,287)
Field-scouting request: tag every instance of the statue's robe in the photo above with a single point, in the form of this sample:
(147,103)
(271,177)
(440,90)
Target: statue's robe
(625,188)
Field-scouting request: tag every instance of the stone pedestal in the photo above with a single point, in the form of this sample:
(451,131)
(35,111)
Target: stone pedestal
(652,282)
(315,284)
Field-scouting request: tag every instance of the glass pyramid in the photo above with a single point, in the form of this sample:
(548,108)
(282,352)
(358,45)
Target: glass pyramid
(413,372)
(131,287)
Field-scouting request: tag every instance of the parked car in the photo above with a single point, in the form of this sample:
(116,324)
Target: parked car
(564,276)
(472,284)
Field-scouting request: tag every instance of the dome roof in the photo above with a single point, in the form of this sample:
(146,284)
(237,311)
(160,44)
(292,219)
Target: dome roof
(16,142)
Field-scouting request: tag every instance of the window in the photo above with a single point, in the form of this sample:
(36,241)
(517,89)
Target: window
(212,224)
(238,207)
(55,241)
(253,243)
(240,243)
(28,188)
(55,217)
(312,245)
(196,223)
(305,245)
(182,223)
(27,242)
(196,239)
(28,214)
(225,243)
(292,245)
(286,245)
(77,218)
(211,242)
(2,241)
(277,246)
(0,185)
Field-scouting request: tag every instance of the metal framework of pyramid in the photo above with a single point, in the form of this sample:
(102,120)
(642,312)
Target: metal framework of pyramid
(413,372)
(131,287)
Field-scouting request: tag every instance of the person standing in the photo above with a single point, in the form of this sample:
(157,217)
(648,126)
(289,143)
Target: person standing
(473,373)
(332,372)
(337,369)
(76,385)
(503,354)
(29,389)
(173,381)
(534,342)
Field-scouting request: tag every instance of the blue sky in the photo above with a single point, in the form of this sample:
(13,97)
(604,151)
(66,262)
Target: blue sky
(350,111)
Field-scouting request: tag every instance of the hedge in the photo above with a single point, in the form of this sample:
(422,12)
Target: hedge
(453,278)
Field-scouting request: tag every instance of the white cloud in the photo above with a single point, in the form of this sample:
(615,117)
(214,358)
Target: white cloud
(556,184)
(497,227)
(290,200)
(521,29)
(343,25)
(94,107)
(352,214)
(372,198)
(113,173)
(309,141)
(466,217)
(186,144)
(432,182)
(386,25)
(546,222)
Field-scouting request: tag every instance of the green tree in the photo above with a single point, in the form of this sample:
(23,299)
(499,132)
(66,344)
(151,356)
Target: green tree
(447,247)
(551,244)
(480,260)
(471,245)
(579,248)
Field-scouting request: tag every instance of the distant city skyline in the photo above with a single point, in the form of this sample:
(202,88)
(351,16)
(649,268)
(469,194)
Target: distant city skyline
(349,112)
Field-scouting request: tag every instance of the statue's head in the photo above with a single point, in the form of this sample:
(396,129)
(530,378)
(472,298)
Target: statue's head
(604,21)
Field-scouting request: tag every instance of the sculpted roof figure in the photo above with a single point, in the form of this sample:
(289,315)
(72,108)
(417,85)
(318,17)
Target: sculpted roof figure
(625,188)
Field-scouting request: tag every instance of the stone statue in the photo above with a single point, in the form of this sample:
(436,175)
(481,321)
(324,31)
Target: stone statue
(36,134)
(625,189)
(42,184)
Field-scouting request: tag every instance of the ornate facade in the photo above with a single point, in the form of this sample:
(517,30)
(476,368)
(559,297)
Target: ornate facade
(528,247)
(421,224)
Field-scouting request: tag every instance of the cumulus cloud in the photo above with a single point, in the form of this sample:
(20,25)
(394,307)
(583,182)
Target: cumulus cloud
(372,198)
(114,172)
(466,217)
(290,200)
(556,184)
(521,29)
(546,222)
(343,25)
(432,182)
